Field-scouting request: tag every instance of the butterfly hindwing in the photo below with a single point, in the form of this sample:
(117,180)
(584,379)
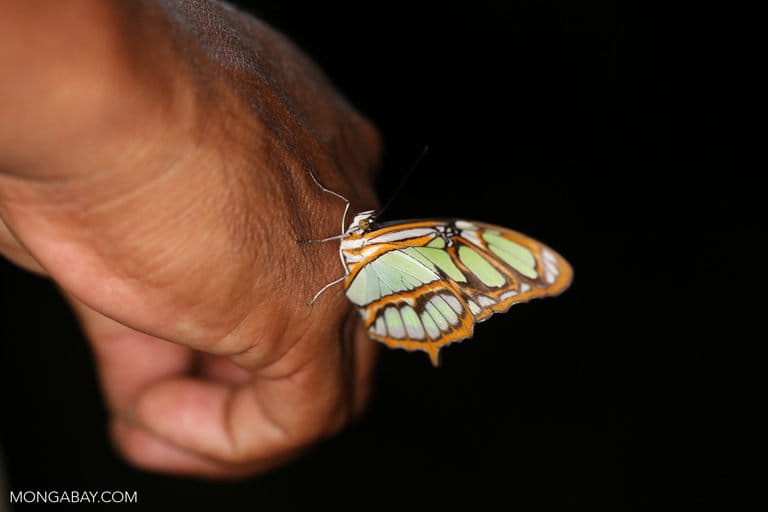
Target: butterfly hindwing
(423,285)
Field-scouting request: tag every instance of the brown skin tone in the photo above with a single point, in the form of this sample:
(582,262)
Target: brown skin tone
(154,162)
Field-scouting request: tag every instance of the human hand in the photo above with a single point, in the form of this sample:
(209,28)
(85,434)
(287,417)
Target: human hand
(154,162)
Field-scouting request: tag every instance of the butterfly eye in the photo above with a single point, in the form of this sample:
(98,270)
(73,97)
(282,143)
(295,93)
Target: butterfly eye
(364,224)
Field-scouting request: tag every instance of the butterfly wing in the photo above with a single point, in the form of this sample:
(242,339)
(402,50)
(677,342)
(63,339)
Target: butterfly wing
(423,285)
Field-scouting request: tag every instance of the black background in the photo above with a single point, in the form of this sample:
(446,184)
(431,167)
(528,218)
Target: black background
(619,138)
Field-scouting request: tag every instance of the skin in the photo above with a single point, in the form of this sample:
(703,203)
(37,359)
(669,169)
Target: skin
(154,163)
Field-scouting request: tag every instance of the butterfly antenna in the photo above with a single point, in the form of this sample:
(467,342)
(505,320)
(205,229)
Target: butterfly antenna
(403,181)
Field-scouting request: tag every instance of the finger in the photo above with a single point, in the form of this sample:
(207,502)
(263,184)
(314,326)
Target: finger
(269,417)
(148,451)
(13,250)
(222,369)
(129,361)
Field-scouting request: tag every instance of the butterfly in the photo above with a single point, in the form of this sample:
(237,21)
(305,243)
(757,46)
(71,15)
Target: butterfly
(424,284)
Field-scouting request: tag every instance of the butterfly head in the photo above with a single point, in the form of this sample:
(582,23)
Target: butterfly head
(362,222)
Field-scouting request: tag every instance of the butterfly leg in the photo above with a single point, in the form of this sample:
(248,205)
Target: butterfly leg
(321,240)
(320,292)
(343,219)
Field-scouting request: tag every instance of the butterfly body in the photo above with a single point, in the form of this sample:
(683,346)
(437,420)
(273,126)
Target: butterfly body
(421,285)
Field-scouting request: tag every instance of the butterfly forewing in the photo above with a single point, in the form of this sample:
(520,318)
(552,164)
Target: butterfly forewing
(423,285)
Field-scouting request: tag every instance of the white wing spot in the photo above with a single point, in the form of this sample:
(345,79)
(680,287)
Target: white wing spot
(507,295)
(412,323)
(381,327)
(394,322)
(473,307)
(453,302)
(524,287)
(430,325)
(551,271)
(352,243)
(472,237)
(403,234)
(462,224)
(485,301)
(353,258)
(445,310)
(439,319)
